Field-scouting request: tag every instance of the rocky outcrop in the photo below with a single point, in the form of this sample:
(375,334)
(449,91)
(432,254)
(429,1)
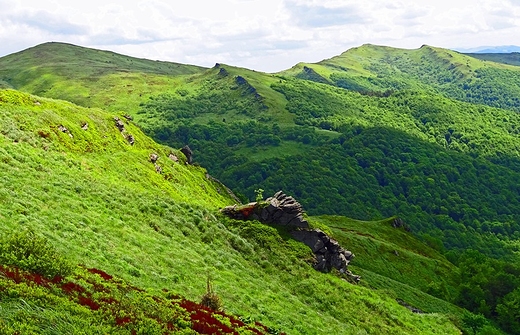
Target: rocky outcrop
(130,139)
(279,209)
(121,126)
(188,153)
(173,157)
(329,254)
(311,75)
(154,157)
(284,210)
(399,223)
(65,130)
(247,88)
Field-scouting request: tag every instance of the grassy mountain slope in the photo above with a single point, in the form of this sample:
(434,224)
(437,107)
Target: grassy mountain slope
(99,201)
(254,130)
(428,134)
(89,77)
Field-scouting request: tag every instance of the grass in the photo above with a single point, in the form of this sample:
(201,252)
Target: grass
(393,259)
(99,201)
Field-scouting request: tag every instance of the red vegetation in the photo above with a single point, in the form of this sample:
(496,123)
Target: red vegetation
(103,274)
(72,287)
(203,319)
(122,321)
(20,276)
(87,301)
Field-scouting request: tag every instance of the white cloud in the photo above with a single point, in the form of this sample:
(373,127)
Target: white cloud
(267,35)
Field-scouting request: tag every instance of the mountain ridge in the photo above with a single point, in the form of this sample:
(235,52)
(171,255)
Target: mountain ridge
(382,135)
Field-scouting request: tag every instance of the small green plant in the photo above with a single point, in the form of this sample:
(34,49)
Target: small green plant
(28,251)
(211,299)
(259,195)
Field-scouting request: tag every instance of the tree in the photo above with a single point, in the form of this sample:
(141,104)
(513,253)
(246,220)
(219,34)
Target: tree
(473,321)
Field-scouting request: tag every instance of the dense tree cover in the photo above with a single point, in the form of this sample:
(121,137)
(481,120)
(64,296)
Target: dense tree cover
(490,287)
(220,95)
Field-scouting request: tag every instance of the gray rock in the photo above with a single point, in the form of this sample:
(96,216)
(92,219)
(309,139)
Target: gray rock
(119,124)
(154,157)
(188,153)
(285,210)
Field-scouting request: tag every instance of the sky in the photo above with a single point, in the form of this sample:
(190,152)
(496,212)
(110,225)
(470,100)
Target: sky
(263,35)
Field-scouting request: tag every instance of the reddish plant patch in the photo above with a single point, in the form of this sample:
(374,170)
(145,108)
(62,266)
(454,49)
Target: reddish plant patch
(203,319)
(87,301)
(103,274)
(123,321)
(20,276)
(70,287)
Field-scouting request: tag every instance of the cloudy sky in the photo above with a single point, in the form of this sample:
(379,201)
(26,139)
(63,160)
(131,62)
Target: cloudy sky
(265,35)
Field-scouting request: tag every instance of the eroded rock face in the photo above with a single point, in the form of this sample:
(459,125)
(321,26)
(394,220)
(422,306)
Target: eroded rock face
(285,210)
(188,153)
(329,254)
(279,209)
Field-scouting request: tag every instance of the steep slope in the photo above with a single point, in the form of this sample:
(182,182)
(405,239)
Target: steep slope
(371,69)
(72,176)
(89,77)
(254,130)
(372,133)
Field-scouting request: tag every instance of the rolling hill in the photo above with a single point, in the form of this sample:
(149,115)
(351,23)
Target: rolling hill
(429,135)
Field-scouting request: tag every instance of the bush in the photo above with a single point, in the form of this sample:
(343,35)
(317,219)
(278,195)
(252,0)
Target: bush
(28,251)
(210,299)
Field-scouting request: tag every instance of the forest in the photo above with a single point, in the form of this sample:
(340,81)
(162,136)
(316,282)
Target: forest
(444,157)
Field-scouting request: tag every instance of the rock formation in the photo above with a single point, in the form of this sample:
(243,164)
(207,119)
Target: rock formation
(154,157)
(188,153)
(119,124)
(282,209)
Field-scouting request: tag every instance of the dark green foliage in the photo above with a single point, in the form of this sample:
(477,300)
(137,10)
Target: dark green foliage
(217,96)
(506,58)
(490,287)
(474,322)
(508,312)
(28,251)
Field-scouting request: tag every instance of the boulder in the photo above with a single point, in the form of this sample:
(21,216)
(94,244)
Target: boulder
(173,158)
(154,157)
(188,153)
(130,138)
(119,124)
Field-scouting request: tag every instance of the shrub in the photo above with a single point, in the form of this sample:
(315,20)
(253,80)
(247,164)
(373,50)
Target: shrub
(211,299)
(28,251)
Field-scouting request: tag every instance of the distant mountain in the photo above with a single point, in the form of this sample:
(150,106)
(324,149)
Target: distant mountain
(491,50)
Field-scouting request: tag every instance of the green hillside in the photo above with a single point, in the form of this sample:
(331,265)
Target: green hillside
(89,77)
(78,194)
(510,58)
(429,135)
